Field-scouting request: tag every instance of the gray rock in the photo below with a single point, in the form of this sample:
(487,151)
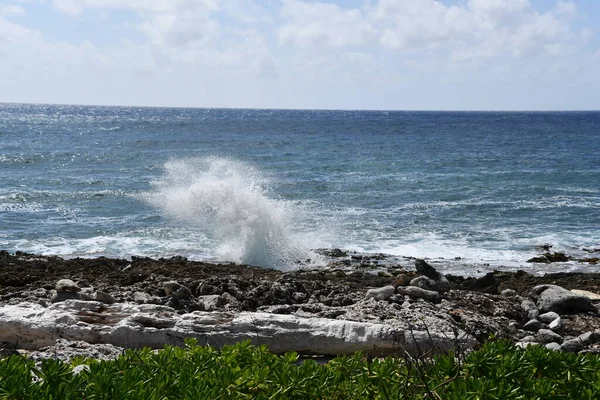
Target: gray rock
(414,291)
(509,293)
(556,324)
(66,285)
(560,300)
(548,317)
(572,346)
(103,297)
(382,293)
(182,293)
(170,287)
(534,325)
(299,297)
(141,297)
(529,338)
(57,296)
(530,308)
(423,268)
(230,299)
(211,302)
(424,282)
(590,338)
(547,336)
(524,345)
(553,346)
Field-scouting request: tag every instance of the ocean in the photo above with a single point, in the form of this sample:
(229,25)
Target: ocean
(473,191)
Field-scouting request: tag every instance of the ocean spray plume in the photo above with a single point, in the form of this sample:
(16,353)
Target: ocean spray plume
(228,200)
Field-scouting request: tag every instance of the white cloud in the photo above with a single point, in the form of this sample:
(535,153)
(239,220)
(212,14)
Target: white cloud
(322,24)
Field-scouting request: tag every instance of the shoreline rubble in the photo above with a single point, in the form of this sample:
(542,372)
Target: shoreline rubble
(50,304)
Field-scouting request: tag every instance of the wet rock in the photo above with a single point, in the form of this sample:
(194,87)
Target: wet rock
(418,292)
(382,293)
(560,300)
(66,285)
(547,336)
(548,258)
(534,325)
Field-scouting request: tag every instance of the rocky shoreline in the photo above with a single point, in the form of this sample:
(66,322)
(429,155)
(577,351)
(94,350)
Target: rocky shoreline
(54,307)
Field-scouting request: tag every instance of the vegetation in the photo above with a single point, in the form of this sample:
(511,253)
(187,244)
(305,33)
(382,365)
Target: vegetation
(498,370)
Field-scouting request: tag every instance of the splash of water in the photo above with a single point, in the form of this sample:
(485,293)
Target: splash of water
(229,201)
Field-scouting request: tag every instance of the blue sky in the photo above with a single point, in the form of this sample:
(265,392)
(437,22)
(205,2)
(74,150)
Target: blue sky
(345,54)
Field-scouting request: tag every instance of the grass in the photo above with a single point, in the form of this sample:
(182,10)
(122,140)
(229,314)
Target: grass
(498,370)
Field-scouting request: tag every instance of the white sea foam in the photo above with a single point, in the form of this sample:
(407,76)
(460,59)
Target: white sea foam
(230,202)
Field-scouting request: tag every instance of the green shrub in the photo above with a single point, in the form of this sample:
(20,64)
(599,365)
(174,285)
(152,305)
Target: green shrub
(498,370)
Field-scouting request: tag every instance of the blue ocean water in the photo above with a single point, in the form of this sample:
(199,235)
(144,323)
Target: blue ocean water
(266,187)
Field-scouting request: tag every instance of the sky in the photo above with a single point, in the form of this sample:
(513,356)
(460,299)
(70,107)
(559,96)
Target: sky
(337,54)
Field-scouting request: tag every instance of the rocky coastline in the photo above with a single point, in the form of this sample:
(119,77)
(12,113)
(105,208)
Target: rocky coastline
(55,307)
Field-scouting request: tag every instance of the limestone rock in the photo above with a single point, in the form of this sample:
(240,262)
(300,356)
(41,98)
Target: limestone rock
(414,291)
(382,293)
(170,287)
(134,326)
(58,296)
(588,294)
(556,324)
(141,297)
(560,300)
(509,293)
(211,302)
(66,285)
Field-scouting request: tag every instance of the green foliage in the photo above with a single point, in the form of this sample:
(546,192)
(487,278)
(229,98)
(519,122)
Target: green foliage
(498,370)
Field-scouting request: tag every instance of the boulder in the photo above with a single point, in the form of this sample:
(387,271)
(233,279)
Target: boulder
(66,285)
(547,336)
(548,317)
(530,308)
(423,268)
(556,324)
(211,302)
(560,300)
(534,325)
(382,293)
(103,297)
(572,346)
(485,284)
(141,297)
(590,338)
(418,292)
(424,282)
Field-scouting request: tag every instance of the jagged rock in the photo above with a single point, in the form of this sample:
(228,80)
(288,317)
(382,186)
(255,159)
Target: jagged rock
(382,293)
(182,293)
(423,268)
(103,297)
(530,308)
(547,336)
(299,297)
(141,297)
(548,317)
(534,325)
(414,291)
(66,285)
(66,350)
(485,284)
(134,326)
(572,346)
(560,300)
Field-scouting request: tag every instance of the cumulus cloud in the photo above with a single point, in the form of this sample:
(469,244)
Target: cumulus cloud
(315,24)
